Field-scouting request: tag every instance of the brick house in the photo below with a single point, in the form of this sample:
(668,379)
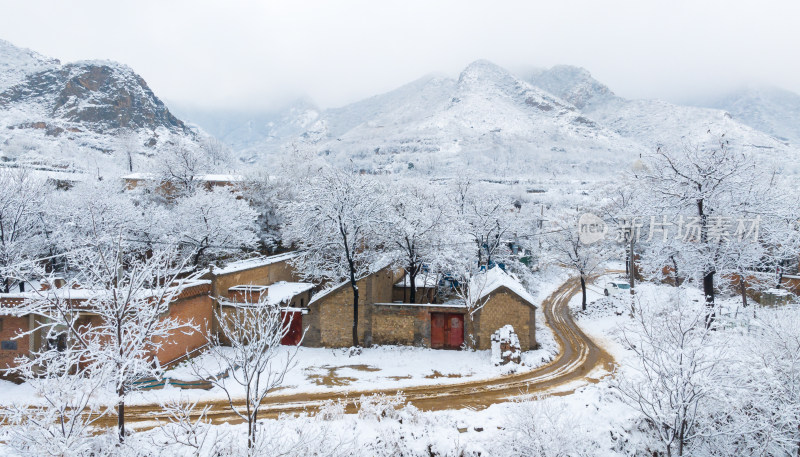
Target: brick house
(154,183)
(382,320)
(191,304)
(266,279)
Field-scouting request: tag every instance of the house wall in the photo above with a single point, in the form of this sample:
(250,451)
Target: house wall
(11,327)
(330,319)
(197,310)
(503,308)
(259,276)
(424,294)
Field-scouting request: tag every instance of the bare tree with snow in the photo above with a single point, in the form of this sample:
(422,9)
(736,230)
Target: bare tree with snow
(334,221)
(128,298)
(419,230)
(22,234)
(714,197)
(564,246)
(252,358)
(676,374)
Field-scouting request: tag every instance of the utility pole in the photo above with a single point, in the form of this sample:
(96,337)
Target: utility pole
(632,275)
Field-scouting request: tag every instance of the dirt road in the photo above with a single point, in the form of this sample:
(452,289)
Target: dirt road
(578,356)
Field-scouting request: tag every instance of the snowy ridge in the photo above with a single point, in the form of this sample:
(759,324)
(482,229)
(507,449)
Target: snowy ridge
(656,123)
(768,109)
(487,119)
(16,63)
(76,116)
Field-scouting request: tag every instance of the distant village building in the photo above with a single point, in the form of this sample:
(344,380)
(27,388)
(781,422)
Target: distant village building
(166,187)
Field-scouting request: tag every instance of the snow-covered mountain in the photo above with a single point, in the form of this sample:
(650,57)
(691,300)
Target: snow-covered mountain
(769,109)
(488,120)
(656,123)
(72,116)
(554,122)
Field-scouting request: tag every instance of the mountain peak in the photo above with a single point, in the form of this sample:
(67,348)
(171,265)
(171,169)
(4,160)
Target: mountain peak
(482,70)
(16,62)
(573,84)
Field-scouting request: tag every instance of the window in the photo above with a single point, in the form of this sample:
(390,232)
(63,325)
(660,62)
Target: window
(8,345)
(302,302)
(1,324)
(59,342)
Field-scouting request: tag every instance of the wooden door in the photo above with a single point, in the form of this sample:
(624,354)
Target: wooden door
(447,330)
(295,322)
(455,330)
(437,330)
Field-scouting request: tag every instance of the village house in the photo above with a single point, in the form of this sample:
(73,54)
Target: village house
(318,318)
(384,319)
(266,280)
(166,189)
(191,304)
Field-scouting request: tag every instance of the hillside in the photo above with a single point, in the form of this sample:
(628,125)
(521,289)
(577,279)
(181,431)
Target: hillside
(656,123)
(769,109)
(487,120)
(77,116)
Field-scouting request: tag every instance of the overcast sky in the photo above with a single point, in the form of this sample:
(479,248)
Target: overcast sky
(257,54)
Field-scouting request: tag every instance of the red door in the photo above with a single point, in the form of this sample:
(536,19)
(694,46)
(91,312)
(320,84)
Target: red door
(455,330)
(295,322)
(447,330)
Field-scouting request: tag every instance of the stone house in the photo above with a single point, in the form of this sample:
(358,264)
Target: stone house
(383,320)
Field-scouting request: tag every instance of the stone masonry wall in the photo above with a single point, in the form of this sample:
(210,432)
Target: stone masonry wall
(505,308)
(330,319)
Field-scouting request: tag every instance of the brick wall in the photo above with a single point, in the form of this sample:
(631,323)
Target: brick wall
(502,308)
(260,276)
(11,327)
(395,325)
(330,319)
(198,310)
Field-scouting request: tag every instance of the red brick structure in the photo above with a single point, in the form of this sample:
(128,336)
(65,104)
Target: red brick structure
(193,304)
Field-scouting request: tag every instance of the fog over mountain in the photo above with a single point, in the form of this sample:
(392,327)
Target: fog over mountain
(548,122)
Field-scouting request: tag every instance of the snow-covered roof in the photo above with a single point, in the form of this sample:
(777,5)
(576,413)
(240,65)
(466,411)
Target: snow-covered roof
(495,278)
(255,262)
(277,294)
(66,293)
(284,291)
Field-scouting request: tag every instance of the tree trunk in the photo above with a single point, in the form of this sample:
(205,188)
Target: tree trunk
(354,285)
(743,290)
(412,281)
(121,415)
(675,268)
(469,330)
(252,421)
(583,289)
(708,291)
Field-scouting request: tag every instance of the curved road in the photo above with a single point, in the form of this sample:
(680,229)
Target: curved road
(578,356)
